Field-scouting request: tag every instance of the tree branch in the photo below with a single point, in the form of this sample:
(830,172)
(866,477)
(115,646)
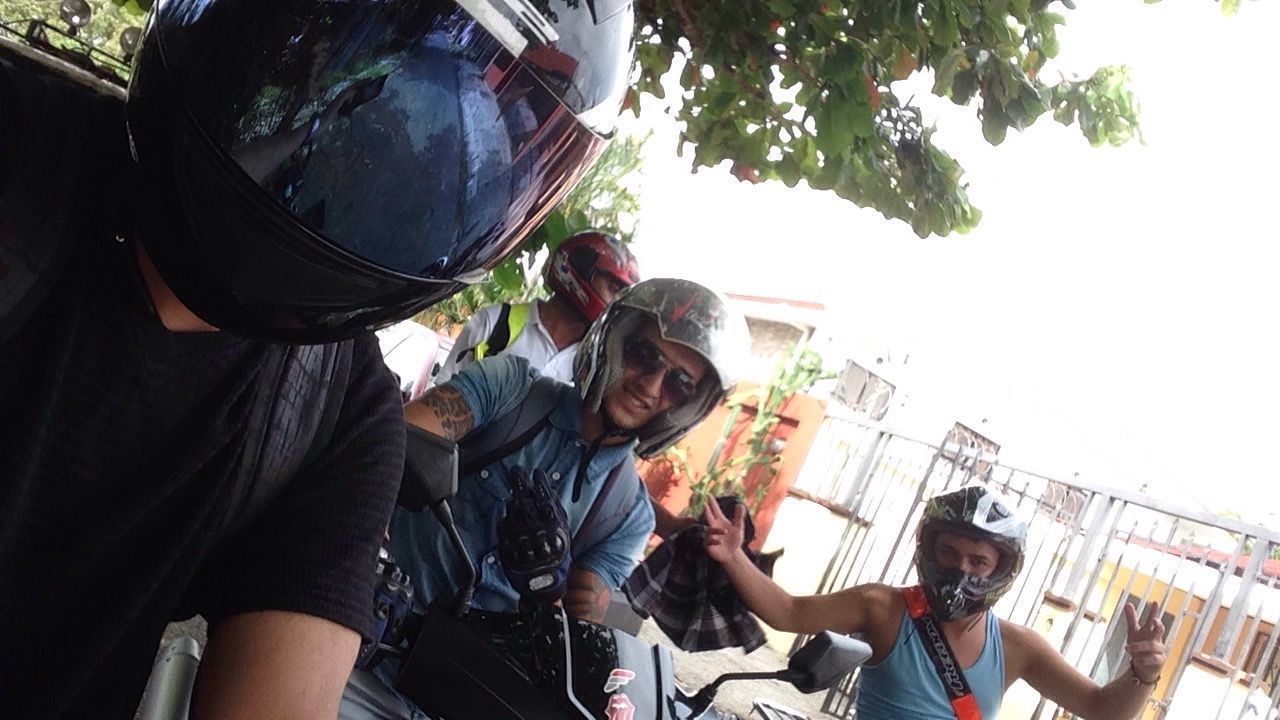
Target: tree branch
(687,25)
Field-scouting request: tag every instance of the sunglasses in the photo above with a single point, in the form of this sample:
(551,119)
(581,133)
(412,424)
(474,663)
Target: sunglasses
(641,355)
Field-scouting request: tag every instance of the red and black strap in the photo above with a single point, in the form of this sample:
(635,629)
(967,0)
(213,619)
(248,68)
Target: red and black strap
(954,683)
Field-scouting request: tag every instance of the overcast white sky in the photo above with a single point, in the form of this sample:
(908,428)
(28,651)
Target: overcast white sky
(1128,296)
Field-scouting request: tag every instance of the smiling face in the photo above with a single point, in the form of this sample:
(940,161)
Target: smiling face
(658,375)
(978,558)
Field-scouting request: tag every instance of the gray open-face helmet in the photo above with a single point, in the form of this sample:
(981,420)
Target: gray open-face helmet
(684,312)
(977,513)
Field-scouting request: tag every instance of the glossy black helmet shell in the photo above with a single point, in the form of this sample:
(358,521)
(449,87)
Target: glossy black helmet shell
(317,167)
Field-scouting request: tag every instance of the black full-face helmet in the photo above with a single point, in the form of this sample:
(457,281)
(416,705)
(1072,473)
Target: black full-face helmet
(977,513)
(316,167)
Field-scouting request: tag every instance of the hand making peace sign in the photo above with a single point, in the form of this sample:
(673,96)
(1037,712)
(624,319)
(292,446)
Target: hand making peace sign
(724,537)
(1145,643)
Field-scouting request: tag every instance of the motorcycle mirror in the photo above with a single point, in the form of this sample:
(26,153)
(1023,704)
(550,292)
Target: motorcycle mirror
(430,469)
(817,666)
(822,661)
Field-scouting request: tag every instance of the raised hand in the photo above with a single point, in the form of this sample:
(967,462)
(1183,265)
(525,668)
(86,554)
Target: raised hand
(724,536)
(1145,643)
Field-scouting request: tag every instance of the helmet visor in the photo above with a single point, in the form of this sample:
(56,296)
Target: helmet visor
(406,134)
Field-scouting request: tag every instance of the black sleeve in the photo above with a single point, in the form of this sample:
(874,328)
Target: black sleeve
(314,549)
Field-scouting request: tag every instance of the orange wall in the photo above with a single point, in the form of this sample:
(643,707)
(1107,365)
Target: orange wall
(800,417)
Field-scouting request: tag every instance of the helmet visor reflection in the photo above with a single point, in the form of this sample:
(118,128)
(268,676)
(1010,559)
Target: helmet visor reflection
(403,133)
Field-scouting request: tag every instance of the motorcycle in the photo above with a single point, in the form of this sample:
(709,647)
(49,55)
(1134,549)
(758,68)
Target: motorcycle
(538,663)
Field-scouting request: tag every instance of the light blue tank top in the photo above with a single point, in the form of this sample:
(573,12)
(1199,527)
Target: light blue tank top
(905,686)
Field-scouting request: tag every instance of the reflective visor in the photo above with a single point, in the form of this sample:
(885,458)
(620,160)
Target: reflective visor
(403,132)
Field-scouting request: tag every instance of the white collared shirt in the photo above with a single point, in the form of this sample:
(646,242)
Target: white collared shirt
(533,342)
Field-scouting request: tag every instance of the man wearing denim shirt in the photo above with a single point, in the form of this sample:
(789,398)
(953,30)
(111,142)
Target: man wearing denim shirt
(491,388)
(650,368)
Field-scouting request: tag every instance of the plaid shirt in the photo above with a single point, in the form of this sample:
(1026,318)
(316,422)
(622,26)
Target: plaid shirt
(689,595)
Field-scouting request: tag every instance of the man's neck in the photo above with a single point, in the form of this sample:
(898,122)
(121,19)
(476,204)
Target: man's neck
(175,316)
(561,321)
(963,627)
(593,427)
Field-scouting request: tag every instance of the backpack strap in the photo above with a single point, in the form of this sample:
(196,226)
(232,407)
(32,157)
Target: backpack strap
(507,434)
(511,320)
(954,683)
(610,507)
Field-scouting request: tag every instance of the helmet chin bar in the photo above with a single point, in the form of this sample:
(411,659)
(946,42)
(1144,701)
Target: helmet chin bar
(947,596)
(953,594)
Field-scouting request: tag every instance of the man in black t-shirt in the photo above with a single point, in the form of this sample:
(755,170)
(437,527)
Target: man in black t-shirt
(194,415)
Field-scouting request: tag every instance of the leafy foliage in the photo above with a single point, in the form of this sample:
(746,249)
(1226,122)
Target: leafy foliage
(802,90)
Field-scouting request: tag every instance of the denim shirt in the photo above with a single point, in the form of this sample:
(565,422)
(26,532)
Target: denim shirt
(491,388)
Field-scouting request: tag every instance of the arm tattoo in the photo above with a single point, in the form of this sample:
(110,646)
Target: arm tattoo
(588,597)
(453,412)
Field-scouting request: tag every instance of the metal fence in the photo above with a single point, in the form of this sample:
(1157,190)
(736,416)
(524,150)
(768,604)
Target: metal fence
(1090,549)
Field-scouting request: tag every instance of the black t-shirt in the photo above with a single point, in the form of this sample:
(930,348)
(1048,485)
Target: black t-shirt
(120,464)
(123,464)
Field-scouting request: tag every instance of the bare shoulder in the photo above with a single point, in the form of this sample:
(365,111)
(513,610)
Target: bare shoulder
(882,612)
(1023,648)
(1022,637)
(883,601)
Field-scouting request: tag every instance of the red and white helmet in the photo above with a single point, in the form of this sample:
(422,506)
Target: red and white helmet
(577,261)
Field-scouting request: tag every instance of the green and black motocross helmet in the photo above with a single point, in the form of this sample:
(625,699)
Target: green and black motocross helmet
(312,168)
(977,513)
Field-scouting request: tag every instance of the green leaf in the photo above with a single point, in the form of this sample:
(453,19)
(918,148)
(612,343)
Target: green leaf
(689,77)
(964,86)
(861,120)
(834,134)
(945,71)
(832,26)
(788,169)
(946,30)
(995,124)
(782,8)
(508,276)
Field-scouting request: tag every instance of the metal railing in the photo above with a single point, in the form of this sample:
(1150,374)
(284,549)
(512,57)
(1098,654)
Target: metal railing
(59,43)
(1090,549)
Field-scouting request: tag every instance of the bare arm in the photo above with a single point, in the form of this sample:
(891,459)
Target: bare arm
(666,524)
(441,411)
(848,611)
(588,596)
(1121,699)
(274,664)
